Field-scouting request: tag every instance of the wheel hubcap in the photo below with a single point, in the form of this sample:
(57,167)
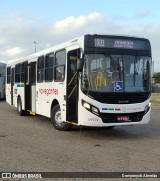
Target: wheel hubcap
(58,118)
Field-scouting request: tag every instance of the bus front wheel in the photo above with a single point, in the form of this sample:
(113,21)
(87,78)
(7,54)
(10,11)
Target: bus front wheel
(57,120)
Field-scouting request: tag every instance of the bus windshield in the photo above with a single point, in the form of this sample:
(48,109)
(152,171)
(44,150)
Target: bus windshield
(116,73)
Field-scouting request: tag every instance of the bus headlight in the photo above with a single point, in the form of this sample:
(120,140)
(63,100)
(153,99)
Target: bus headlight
(147,108)
(149,104)
(90,108)
(86,105)
(95,110)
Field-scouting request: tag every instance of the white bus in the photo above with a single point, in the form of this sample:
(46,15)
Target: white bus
(2,80)
(93,80)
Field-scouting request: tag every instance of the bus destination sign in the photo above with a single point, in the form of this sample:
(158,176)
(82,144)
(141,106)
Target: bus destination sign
(117,42)
(124,44)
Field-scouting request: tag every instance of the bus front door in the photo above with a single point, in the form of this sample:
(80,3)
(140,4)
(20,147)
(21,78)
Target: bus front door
(72,87)
(30,87)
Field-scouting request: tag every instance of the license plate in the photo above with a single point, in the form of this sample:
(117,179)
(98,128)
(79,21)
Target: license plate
(123,118)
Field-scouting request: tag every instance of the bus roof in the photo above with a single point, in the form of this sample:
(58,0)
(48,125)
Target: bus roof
(60,46)
(75,41)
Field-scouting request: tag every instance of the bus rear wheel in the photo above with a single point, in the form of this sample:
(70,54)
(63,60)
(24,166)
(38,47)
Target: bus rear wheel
(57,120)
(19,107)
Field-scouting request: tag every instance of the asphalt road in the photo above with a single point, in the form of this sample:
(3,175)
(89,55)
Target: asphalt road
(31,144)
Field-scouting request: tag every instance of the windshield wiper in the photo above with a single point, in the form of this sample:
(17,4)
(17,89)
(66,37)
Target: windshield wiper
(114,63)
(135,71)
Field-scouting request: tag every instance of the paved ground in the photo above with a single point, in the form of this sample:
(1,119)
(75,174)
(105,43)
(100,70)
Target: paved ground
(31,144)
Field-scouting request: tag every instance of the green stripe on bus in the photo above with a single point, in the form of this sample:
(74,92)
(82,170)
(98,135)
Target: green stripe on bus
(111,109)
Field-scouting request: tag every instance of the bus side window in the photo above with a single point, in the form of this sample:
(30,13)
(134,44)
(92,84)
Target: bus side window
(49,67)
(22,72)
(59,67)
(18,73)
(40,69)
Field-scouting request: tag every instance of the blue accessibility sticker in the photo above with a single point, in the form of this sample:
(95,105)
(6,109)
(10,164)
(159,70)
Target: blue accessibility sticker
(118,86)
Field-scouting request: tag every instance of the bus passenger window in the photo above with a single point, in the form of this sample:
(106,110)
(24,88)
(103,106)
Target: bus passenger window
(59,67)
(22,72)
(40,69)
(18,73)
(49,67)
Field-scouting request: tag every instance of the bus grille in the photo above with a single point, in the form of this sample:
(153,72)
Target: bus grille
(120,98)
(112,118)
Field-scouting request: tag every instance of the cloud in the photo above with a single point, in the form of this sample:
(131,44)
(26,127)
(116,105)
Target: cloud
(72,24)
(14,51)
(142,14)
(17,32)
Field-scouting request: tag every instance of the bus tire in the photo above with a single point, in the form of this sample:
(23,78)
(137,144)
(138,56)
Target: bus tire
(19,107)
(56,119)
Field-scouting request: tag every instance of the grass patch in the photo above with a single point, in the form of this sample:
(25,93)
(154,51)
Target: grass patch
(156,101)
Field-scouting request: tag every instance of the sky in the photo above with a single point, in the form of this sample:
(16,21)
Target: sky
(50,22)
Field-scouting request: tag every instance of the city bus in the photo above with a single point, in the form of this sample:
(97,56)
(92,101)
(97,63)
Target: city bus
(2,80)
(93,80)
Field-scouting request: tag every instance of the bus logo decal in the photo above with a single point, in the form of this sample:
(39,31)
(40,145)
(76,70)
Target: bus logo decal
(48,91)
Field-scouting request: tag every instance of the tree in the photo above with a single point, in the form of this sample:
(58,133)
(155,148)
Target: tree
(156,76)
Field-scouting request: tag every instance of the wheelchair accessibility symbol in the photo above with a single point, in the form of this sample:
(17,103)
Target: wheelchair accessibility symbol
(118,86)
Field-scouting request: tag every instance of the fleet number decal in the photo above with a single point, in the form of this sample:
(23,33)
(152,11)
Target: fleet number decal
(93,119)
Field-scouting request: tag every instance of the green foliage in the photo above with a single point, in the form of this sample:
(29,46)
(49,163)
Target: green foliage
(156,76)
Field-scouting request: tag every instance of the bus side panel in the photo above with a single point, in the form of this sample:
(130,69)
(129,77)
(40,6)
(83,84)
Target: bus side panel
(44,98)
(19,92)
(48,92)
(8,93)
